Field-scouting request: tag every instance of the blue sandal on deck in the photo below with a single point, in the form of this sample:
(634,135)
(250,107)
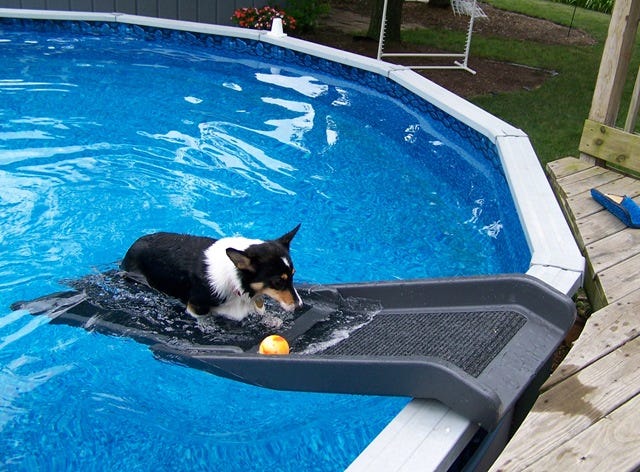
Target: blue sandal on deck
(623,207)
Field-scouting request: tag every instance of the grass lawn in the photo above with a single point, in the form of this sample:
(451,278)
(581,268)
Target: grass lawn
(552,115)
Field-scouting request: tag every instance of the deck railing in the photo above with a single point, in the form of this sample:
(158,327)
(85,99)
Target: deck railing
(601,139)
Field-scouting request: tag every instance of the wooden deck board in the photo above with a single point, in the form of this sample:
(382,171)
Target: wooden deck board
(599,226)
(587,414)
(595,177)
(594,222)
(621,279)
(584,206)
(580,199)
(569,166)
(605,331)
(598,448)
(614,249)
(574,405)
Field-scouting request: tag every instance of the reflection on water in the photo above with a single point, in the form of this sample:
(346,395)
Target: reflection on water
(16,384)
(19,85)
(305,85)
(291,131)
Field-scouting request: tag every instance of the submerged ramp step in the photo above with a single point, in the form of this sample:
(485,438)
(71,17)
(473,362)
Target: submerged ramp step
(476,344)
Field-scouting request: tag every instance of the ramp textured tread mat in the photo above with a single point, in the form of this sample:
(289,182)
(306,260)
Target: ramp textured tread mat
(468,340)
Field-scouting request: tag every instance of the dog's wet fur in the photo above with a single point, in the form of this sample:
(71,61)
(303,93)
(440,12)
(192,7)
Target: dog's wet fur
(227,276)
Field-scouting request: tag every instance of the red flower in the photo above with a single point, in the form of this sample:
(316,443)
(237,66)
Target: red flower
(254,18)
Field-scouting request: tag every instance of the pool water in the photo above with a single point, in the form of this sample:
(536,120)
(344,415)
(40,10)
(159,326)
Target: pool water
(109,134)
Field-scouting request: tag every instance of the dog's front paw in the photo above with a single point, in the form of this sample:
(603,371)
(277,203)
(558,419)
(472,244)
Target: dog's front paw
(258,305)
(272,322)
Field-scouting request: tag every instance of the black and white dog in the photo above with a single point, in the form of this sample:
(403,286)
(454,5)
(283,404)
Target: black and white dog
(228,276)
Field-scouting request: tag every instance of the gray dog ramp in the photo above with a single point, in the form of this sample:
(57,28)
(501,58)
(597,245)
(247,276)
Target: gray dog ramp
(476,344)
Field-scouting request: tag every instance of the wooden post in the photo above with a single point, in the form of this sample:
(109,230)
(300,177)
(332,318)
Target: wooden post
(614,65)
(634,107)
(615,62)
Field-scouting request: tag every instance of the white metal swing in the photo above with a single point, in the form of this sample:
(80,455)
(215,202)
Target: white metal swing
(460,7)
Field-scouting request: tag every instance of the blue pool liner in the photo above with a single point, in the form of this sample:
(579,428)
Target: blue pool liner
(626,210)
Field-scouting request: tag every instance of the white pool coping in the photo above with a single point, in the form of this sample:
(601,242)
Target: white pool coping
(425,435)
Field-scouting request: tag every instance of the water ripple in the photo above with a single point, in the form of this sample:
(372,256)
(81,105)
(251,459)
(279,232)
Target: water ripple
(306,85)
(14,384)
(11,156)
(20,85)
(27,329)
(218,149)
(20,372)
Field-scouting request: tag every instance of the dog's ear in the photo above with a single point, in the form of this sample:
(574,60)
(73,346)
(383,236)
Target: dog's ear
(240,259)
(285,240)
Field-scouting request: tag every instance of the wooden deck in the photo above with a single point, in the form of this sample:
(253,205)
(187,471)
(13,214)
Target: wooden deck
(587,417)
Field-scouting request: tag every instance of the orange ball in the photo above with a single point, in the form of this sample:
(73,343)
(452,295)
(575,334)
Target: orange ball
(274,344)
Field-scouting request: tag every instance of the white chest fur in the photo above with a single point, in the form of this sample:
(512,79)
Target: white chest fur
(224,281)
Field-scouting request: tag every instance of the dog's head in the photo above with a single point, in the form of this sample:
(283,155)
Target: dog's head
(267,269)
